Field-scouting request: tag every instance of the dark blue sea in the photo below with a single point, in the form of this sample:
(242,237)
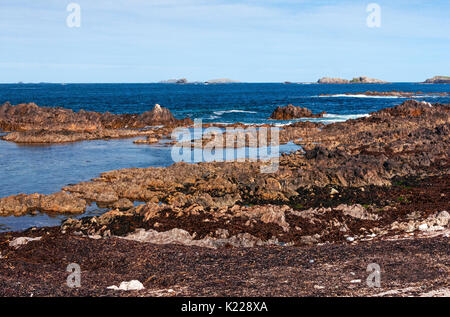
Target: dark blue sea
(45,169)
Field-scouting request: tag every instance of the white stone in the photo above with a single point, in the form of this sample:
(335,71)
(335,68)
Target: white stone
(350,239)
(423,227)
(133,285)
(355,281)
(17,242)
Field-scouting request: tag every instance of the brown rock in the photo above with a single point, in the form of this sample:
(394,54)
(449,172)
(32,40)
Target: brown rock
(62,202)
(291,112)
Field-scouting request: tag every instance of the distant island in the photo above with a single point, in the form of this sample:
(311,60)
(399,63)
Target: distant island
(211,81)
(174,81)
(221,81)
(355,80)
(438,80)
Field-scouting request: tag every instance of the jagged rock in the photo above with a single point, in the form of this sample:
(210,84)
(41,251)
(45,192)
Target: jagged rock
(34,124)
(292,112)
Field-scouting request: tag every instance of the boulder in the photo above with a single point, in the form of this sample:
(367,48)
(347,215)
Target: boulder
(292,112)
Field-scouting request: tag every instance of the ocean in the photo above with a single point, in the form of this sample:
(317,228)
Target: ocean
(47,168)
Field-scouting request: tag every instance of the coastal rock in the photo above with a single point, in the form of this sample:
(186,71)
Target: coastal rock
(34,124)
(292,112)
(123,204)
(149,140)
(19,205)
(62,202)
(23,204)
(179,236)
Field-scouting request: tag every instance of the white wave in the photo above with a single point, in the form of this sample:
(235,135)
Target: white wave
(219,113)
(360,96)
(327,118)
(344,116)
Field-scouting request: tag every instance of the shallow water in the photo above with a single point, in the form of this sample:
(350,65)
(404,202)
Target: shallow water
(47,168)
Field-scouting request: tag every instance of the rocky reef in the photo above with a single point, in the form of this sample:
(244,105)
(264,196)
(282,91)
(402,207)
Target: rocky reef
(30,123)
(292,112)
(438,80)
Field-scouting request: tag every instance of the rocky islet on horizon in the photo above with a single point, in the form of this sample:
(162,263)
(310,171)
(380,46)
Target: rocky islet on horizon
(356,80)
(438,80)
(210,81)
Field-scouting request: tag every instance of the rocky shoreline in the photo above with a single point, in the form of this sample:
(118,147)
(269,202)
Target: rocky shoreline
(379,181)
(29,123)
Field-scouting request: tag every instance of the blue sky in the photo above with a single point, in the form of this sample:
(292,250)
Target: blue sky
(248,40)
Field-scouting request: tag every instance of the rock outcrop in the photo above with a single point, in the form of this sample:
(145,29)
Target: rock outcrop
(438,80)
(59,203)
(34,124)
(292,112)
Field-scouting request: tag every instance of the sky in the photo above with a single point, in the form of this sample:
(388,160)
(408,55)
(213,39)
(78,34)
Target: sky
(145,41)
